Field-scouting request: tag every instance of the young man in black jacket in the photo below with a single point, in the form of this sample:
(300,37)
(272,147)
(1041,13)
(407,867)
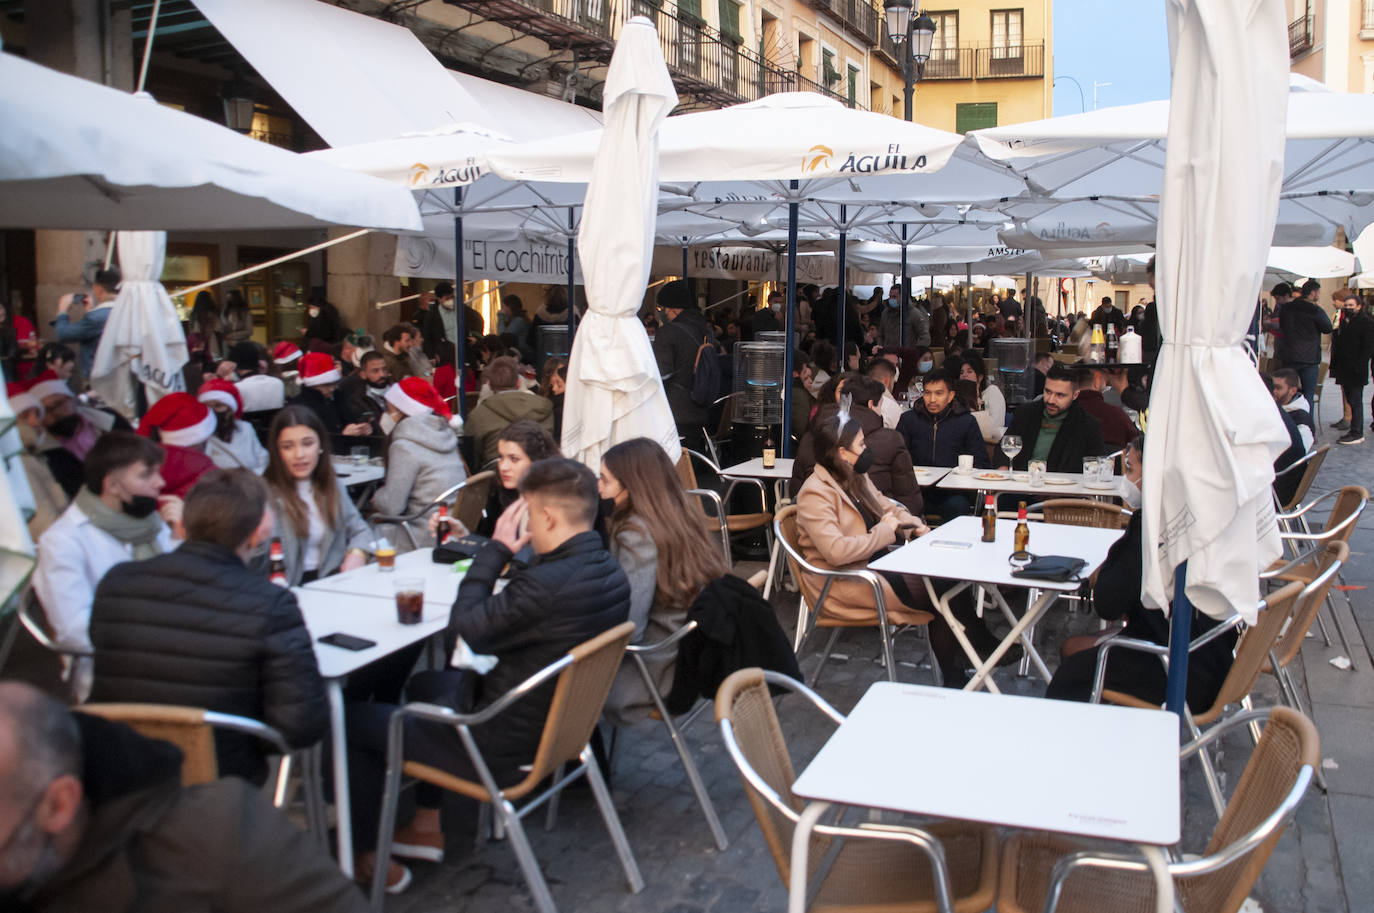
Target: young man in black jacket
(1056,429)
(1302,323)
(195,627)
(1352,346)
(572,592)
(937,432)
(675,350)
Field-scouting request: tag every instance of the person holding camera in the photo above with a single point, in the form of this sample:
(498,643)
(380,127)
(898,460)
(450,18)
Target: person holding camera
(88,330)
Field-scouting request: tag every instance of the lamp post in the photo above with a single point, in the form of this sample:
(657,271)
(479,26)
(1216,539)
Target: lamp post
(239,99)
(913,38)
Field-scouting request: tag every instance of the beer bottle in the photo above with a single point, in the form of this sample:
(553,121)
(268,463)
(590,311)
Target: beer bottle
(443,526)
(276,568)
(1111,344)
(770,454)
(1022,538)
(990,520)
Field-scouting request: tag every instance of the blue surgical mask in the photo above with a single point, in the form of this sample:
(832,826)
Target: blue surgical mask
(894,302)
(925,367)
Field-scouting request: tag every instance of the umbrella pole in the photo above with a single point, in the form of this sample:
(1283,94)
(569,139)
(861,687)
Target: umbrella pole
(572,286)
(1180,631)
(901,312)
(842,298)
(460,305)
(789,324)
(968,301)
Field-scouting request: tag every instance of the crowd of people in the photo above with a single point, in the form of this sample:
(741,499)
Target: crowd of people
(156,537)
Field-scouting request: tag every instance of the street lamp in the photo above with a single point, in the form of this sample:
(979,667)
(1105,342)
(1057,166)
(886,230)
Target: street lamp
(913,38)
(239,99)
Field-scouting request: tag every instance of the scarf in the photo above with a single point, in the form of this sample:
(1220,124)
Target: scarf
(140,533)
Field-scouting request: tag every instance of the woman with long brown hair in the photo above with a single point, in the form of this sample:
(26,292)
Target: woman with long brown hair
(658,538)
(321,531)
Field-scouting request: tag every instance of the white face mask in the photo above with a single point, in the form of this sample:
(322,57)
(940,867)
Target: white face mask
(1130,493)
(314,312)
(388,423)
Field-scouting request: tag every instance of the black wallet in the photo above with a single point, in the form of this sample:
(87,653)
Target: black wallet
(1055,568)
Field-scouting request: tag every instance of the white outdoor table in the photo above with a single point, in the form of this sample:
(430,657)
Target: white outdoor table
(955,551)
(1091,770)
(373,617)
(926,476)
(355,474)
(441,580)
(754,469)
(1057,484)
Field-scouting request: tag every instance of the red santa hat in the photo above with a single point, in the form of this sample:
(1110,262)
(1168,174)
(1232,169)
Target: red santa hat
(317,368)
(181,420)
(47,384)
(219,390)
(21,400)
(283,353)
(415,396)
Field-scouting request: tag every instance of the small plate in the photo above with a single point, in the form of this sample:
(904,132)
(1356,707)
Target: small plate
(1049,481)
(1020,476)
(992,476)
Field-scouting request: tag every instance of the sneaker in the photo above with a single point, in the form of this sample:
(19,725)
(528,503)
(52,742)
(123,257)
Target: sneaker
(409,843)
(398,877)
(1342,425)
(1350,437)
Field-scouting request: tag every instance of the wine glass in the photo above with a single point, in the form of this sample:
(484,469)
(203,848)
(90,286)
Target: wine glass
(1011,445)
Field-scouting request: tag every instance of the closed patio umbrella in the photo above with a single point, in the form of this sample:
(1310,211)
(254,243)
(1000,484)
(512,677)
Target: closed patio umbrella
(614,392)
(1214,429)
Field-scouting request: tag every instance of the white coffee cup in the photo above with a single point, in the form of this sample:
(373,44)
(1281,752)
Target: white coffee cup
(965,463)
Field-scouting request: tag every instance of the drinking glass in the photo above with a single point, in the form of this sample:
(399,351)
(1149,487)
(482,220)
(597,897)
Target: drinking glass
(359,454)
(1011,445)
(1090,465)
(1037,473)
(386,555)
(410,599)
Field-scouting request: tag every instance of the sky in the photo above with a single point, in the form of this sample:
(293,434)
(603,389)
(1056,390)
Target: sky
(1122,42)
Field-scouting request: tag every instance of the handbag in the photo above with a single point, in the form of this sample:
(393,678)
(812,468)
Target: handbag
(1054,568)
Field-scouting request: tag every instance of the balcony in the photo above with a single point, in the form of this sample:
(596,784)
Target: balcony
(800,83)
(706,66)
(1367,20)
(859,16)
(1009,62)
(1300,35)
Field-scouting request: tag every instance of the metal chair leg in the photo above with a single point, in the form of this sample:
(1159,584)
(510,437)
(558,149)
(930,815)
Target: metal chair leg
(524,855)
(386,827)
(551,814)
(1208,768)
(608,815)
(825,656)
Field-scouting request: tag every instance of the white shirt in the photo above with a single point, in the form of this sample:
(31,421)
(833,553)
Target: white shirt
(243,450)
(310,556)
(1299,404)
(73,556)
(261,392)
(889,409)
(996,404)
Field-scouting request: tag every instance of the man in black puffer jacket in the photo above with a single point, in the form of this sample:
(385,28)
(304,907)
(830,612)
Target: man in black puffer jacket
(675,349)
(196,628)
(573,591)
(938,431)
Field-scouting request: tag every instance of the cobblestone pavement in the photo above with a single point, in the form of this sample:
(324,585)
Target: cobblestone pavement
(1323,864)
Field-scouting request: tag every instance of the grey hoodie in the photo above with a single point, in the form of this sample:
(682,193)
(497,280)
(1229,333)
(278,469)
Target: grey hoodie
(422,462)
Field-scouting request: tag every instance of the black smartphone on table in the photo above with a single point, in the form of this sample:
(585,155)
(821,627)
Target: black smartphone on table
(347,641)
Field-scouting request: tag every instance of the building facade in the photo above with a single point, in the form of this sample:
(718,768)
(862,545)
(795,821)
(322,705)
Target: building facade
(1332,41)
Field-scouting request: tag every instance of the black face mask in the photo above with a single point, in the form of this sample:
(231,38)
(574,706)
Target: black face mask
(67,426)
(864,463)
(224,426)
(139,506)
(606,506)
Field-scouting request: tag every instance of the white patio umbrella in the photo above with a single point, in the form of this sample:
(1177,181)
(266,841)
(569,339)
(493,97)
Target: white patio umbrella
(16,547)
(1209,458)
(143,341)
(76,154)
(614,390)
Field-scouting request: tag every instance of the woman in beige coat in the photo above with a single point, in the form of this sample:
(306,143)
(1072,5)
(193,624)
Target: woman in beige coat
(843,522)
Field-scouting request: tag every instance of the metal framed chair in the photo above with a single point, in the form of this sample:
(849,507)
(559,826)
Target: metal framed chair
(583,679)
(468,497)
(192,729)
(1327,566)
(636,655)
(733,524)
(1251,654)
(871,867)
(1308,466)
(1048,873)
(1297,533)
(30,615)
(1084,512)
(806,573)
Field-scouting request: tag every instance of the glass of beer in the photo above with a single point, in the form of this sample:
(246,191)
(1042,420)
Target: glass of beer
(386,556)
(410,599)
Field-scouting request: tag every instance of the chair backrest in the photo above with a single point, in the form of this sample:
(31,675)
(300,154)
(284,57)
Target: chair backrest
(1289,742)
(1333,555)
(184,727)
(743,699)
(577,702)
(1252,650)
(1083,512)
(472,498)
(1311,467)
(785,524)
(1352,498)
(685,471)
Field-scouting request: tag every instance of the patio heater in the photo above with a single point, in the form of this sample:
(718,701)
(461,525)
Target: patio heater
(756,407)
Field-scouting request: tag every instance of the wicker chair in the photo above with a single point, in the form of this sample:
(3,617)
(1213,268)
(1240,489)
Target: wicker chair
(469,498)
(1083,512)
(1318,573)
(877,869)
(730,524)
(805,573)
(1252,652)
(1297,533)
(1309,466)
(192,729)
(584,677)
(1048,873)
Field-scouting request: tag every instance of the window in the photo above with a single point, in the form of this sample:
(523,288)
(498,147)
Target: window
(806,55)
(690,10)
(944,47)
(729,20)
(1006,33)
(830,74)
(975,116)
(852,89)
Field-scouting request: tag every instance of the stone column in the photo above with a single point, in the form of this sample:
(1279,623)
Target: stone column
(360,273)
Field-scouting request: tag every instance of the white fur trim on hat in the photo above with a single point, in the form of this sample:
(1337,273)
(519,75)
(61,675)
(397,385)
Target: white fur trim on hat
(223,397)
(192,435)
(403,401)
(23,402)
(44,389)
(332,376)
